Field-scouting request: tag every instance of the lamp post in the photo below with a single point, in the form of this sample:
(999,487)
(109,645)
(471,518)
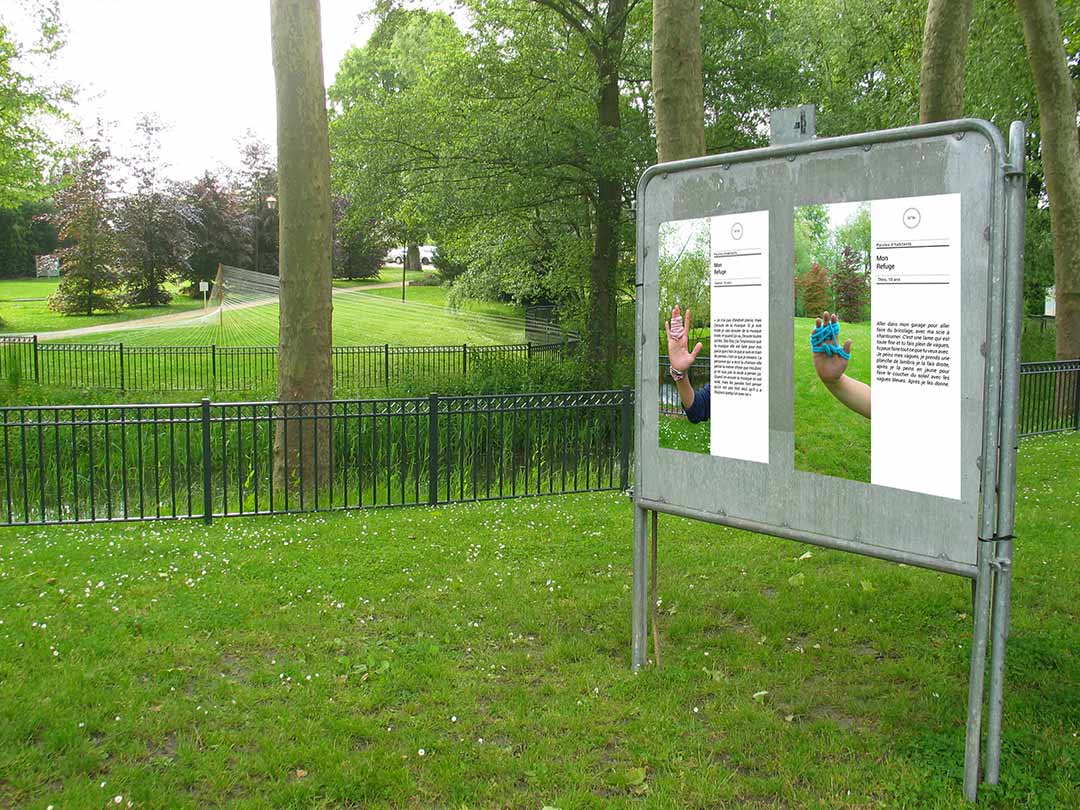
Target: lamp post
(271,204)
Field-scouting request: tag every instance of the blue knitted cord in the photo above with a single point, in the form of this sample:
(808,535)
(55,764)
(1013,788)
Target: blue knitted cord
(828,331)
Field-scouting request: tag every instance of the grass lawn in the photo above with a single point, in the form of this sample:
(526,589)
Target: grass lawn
(389,272)
(361,318)
(478,656)
(22,288)
(35,316)
(830,439)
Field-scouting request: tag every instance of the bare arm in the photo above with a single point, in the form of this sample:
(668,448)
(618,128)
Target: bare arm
(830,368)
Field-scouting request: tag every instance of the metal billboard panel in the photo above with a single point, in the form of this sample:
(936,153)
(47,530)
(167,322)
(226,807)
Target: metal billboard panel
(965,158)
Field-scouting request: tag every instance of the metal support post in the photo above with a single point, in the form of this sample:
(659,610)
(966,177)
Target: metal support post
(1010,396)
(641,588)
(977,674)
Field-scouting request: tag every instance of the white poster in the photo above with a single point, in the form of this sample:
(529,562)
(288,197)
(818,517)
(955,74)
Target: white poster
(915,364)
(739,298)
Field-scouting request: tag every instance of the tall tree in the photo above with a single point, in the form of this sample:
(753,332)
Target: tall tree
(941,83)
(153,223)
(26,104)
(678,93)
(219,228)
(1060,161)
(304,348)
(602,28)
(85,212)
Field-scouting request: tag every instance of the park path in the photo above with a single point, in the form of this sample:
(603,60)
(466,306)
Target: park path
(176,318)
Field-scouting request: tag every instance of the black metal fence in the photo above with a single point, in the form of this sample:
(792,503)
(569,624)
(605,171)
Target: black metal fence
(1049,394)
(241,368)
(89,464)
(1049,397)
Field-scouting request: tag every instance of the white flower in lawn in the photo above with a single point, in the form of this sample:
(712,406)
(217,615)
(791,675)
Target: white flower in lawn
(420,752)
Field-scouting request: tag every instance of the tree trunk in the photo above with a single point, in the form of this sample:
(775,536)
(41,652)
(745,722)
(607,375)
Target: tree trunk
(302,443)
(412,257)
(941,83)
(1060,160)
(601,332)
(678,96)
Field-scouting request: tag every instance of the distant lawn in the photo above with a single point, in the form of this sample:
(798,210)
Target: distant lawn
(11,289)
(35,316)
(389,273)
(360,319)
(478,657)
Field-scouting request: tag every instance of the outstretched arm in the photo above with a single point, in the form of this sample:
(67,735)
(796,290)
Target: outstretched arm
(681,359)
(830,363)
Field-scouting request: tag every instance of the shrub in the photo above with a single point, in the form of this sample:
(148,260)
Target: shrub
(813,289)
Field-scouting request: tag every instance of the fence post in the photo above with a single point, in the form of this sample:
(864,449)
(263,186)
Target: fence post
(386,363)
(433,449)
(121,345)
(1076,401)
(213,364)
(208,501)
(37,368)
(528,350)
(626,412)
(464,359)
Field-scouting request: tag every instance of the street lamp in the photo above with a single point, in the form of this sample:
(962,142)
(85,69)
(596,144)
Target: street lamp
(271,204)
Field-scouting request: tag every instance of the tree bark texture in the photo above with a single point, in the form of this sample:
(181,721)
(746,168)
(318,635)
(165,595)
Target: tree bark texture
(678,94)
(602,325)
(412,257)
(941,82)
(302,441)
(1060,160)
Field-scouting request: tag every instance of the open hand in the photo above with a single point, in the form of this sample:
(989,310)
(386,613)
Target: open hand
(678,356)
(830,367)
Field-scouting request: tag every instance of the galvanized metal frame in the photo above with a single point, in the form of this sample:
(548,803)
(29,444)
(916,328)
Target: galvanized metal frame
(993,560)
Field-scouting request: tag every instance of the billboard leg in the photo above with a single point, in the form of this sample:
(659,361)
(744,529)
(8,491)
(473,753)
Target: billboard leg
(641,588)
(977,675)
(999,633)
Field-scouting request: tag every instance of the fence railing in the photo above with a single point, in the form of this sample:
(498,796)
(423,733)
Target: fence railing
(240,368)
(1049,394)
(89,464)
(1049,397)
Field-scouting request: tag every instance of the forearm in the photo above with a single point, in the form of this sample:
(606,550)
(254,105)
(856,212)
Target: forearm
(854,394)
(686,392)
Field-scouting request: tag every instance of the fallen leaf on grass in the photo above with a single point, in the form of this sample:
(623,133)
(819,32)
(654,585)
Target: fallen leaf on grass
(867,585)
(760,696)
(300,773)
(797,580)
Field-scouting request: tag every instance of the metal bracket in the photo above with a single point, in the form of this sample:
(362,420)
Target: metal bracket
(1000,564)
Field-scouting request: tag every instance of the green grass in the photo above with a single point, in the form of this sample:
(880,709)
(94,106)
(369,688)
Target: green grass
(308,661)
(361,318)
(11,289)
(35,316)
(1037,341)
(830,439)
(388,273)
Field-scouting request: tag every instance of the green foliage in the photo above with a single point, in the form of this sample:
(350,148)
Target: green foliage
(27,105)
(216,227)
(152,224)
(684,272)
(851,286)
(813,290)
(85,216)
(25,232)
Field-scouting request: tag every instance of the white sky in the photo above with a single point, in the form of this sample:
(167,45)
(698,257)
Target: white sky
(203,65)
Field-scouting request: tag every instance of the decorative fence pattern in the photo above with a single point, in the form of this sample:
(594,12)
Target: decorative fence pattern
(90,464)
(239,368)
(1049,394)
